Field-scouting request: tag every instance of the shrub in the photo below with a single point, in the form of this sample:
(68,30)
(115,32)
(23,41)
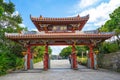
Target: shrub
(82,61)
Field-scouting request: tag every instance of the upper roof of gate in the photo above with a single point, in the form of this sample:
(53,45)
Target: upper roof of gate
(65,24)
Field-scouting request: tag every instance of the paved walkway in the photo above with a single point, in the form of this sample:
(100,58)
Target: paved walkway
(60,70)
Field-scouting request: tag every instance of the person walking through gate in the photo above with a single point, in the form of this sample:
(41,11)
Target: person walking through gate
(69,58)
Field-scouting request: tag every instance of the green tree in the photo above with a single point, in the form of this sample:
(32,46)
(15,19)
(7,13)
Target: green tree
(68,50)
(81,49)
(38,52)
(10,52)
(113,25)
(108,47)
(1,8)
(1,11)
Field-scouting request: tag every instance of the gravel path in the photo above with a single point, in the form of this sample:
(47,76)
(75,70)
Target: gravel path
(60,70)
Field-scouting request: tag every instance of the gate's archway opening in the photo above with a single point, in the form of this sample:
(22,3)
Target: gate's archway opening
(56,58)
(37,56)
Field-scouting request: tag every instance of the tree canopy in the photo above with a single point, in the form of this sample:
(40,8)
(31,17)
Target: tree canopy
(113,24)
(38,52)
(68,50)
(10,52)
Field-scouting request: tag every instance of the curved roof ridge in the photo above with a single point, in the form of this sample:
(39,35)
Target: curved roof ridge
(74,17)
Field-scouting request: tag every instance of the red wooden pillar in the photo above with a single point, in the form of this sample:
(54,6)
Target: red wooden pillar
(46,57)
(28,57)
(91,56)
(74,58)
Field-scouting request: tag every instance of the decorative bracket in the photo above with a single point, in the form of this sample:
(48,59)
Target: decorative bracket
(74,42)
(95,41)
(45,42)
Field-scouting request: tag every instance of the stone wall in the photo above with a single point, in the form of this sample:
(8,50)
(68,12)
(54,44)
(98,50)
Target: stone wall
(111,61)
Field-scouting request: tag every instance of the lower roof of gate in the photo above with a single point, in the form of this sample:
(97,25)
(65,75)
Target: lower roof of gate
(59,38)
(17,36)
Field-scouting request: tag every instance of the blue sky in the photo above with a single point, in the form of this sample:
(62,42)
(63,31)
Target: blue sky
(98,10)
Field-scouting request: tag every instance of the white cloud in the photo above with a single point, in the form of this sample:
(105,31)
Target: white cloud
(22,25)
(83,4)
(87,27)
(33,29)
(4,0)
(86,3)
(100,14)
(16,13)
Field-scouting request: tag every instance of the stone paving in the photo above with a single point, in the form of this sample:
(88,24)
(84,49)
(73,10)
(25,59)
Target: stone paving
(60,70)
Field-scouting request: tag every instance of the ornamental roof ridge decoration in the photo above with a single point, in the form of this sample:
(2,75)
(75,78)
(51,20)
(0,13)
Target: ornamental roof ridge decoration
(76,18)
